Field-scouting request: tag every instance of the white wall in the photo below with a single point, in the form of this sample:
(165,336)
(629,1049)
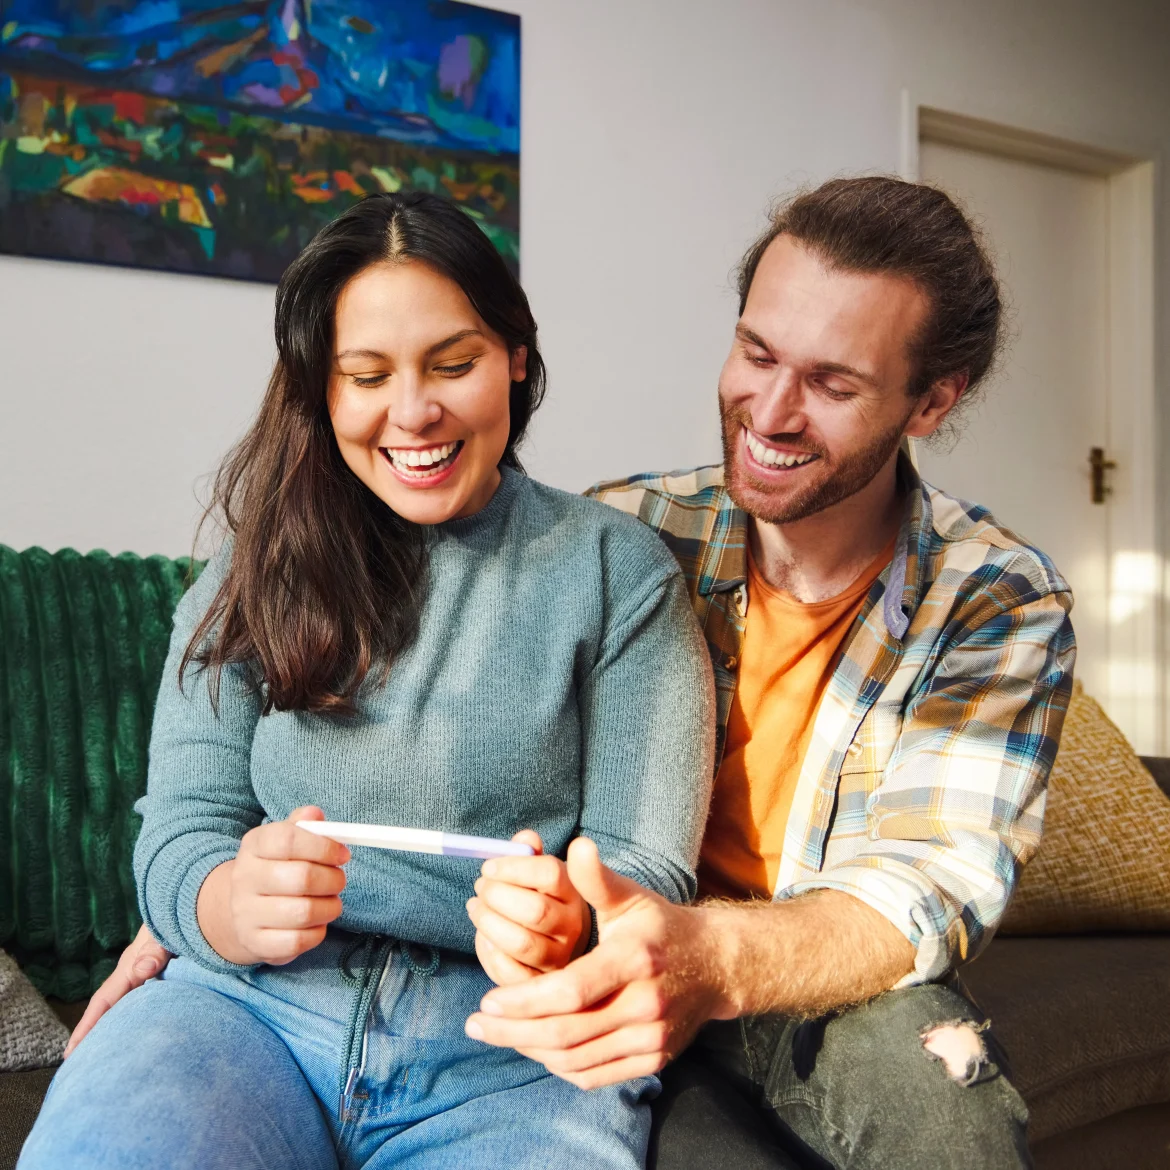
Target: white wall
(655,132)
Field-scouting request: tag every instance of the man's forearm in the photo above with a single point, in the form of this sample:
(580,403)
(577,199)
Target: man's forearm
(803,957)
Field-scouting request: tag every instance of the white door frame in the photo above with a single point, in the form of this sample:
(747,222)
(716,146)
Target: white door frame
(1138,676)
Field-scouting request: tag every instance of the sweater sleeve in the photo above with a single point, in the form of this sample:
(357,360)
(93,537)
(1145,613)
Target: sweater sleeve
(199,800)
(647,712)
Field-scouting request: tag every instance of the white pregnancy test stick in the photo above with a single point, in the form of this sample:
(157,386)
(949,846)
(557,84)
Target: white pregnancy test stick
(417,840)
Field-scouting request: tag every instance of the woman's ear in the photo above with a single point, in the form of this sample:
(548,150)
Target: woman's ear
(519,368)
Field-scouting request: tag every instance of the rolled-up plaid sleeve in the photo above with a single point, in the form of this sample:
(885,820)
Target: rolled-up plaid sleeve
(959,807)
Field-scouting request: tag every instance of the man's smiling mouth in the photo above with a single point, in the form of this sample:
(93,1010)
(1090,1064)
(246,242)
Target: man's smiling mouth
(770,457)
(422,462)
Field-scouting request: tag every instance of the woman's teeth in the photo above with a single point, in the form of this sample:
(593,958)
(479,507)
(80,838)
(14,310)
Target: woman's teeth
(770,457)
(422,462)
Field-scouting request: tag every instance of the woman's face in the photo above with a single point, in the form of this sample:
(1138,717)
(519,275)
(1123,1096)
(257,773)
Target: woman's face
(419,391)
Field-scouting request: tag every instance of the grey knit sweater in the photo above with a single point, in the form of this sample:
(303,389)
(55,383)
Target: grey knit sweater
(558,682)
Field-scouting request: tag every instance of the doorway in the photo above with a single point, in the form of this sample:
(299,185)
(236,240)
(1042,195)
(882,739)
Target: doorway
(1060,445)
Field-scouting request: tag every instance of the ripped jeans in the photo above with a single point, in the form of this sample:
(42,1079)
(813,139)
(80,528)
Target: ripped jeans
(912,1080)
(352,1057)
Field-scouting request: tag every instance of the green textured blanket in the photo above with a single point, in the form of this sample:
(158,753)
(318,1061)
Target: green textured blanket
(82,645)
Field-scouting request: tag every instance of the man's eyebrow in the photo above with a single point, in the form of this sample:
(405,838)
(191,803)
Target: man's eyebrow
(753,338)
(848,372)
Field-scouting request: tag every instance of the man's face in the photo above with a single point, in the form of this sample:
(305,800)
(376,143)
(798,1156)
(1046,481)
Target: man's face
(813,395)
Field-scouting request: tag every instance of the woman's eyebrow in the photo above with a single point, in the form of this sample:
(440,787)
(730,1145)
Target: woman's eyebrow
(454,339)
(360,353)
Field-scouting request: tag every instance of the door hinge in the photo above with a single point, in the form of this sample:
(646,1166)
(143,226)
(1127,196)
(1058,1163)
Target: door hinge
(1099,466)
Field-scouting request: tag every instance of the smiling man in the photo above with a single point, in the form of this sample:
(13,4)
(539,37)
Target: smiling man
(893,668)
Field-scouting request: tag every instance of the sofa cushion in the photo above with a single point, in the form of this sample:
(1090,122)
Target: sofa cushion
(1104,861)
(21,1095)
(1085,1021)
(31,1036)
(1138,1139)
(82,645)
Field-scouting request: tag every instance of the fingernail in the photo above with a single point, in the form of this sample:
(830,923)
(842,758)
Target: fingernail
(146,967)
(68,1049)
(489,1007)
(489,869)
(473,1029)
(478,886)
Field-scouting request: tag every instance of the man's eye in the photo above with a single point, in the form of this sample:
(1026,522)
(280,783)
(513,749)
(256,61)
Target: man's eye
(757,358)
(455,371)
(832,392)
(369,380)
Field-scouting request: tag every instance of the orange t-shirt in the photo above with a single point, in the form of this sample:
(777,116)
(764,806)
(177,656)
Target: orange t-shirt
(787,659)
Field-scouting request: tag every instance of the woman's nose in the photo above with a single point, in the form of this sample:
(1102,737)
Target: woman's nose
(411,407)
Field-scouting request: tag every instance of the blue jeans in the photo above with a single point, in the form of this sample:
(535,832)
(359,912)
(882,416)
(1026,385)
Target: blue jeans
(352,1056)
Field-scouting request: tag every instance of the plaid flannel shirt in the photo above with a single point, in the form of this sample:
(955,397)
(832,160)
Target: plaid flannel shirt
(923,789)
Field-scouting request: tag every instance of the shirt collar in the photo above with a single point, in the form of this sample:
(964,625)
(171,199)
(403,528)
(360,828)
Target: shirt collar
(724,562)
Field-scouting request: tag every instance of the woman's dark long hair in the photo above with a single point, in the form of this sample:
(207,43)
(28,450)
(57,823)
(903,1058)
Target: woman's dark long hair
(325,579)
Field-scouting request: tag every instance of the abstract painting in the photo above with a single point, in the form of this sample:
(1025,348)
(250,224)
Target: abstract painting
(215,137)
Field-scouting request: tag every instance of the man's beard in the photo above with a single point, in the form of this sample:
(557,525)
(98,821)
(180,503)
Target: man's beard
(841,479)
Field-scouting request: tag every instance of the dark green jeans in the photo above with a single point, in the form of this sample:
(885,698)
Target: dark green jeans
(857,1090)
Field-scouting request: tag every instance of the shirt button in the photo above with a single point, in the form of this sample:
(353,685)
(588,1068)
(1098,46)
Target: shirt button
(855,748)
(731,663)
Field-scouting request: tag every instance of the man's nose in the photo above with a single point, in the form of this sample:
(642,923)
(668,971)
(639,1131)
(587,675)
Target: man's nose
(780,409)
(411,407)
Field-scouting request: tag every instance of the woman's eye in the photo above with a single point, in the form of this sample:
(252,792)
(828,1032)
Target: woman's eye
(371,380)
(455,371)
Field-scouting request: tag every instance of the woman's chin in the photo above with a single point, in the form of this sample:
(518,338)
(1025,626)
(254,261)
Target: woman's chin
(423,505)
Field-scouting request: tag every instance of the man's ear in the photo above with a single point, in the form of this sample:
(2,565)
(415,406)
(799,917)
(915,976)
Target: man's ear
(519,367)
(935,405)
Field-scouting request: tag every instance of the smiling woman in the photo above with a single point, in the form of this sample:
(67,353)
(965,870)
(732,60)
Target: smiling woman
(421,414)
(400,333)
(404,629)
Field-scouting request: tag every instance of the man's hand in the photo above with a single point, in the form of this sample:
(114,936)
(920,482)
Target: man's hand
(276,898)
(626,1008)
(140,961)
(528,915)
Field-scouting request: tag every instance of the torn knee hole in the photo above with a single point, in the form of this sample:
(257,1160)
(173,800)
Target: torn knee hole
(959,1047)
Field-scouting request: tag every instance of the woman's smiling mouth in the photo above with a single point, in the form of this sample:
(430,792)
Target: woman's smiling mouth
(423,466)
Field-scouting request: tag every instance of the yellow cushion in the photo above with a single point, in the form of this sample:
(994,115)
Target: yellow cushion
(1104,860)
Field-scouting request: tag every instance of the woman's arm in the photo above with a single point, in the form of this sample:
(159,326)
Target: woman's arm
(199,801)
(647,711)
(648,728)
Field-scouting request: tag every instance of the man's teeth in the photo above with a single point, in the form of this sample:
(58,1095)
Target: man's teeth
(770,457)
(420,461)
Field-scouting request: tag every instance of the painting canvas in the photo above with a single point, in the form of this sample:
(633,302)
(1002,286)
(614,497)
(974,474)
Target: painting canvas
(216,137)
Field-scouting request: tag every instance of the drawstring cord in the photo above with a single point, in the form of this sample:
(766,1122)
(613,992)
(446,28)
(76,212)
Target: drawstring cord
(408,958)
(364,972)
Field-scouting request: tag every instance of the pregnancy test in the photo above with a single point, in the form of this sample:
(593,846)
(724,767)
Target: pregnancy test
(417,840)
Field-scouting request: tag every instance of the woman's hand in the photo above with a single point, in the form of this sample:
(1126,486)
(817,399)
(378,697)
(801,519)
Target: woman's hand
(274,900)
(140,961)
(528,916)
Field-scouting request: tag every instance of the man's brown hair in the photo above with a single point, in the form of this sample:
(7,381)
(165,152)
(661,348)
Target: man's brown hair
(885,225)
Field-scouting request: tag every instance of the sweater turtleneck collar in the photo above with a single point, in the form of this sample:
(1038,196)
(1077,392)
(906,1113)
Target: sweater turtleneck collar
(491,515)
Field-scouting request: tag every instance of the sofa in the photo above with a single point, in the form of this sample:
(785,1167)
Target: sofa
(1085,1018)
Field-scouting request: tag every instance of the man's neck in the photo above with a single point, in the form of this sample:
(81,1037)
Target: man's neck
(822,555)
